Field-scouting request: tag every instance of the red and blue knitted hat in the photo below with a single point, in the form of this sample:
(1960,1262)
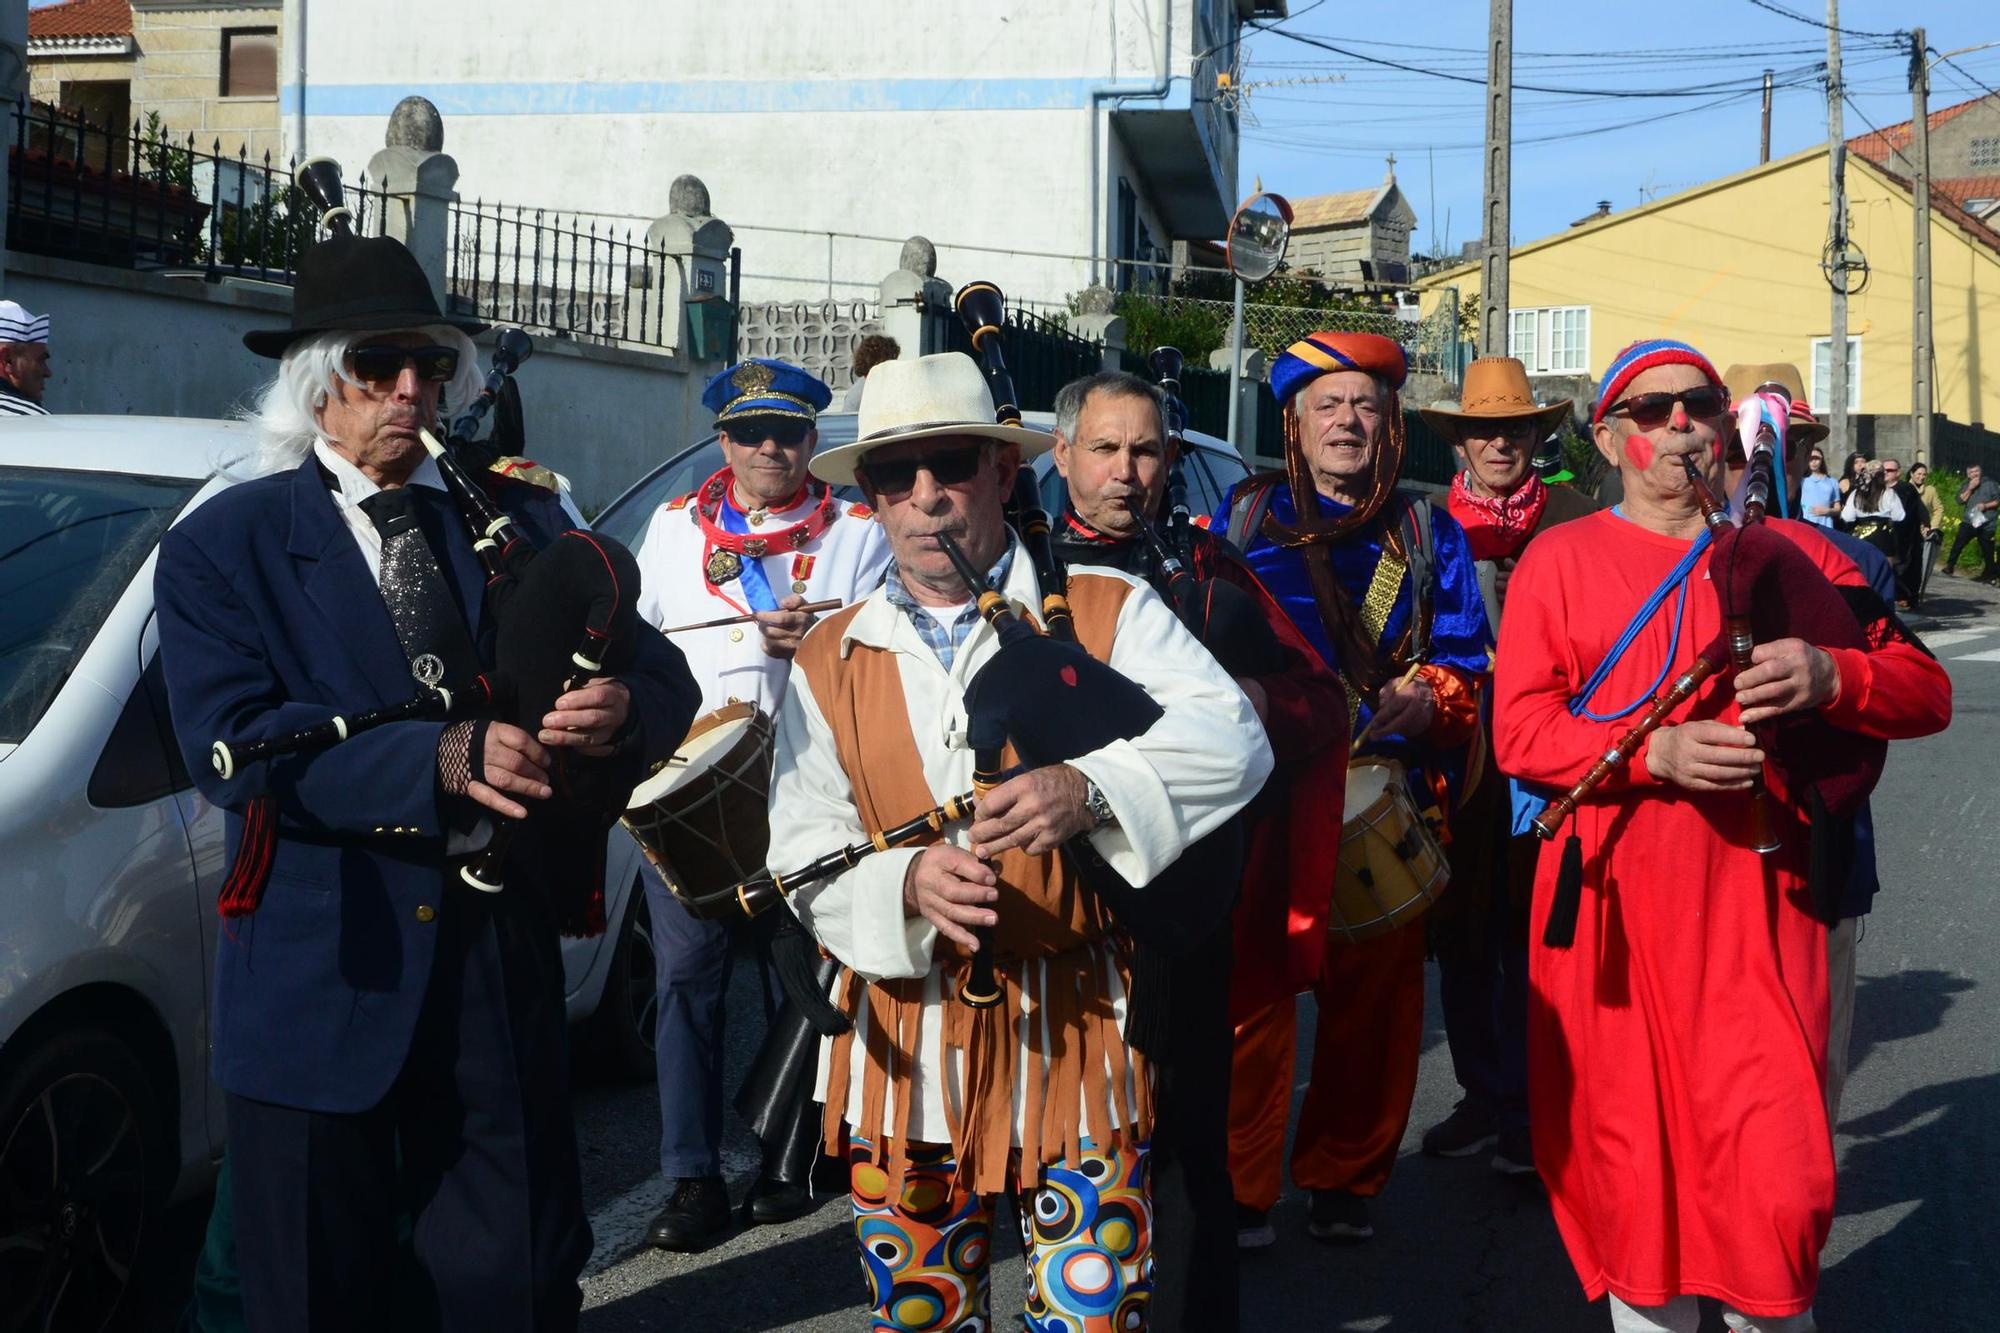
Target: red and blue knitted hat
(1641,357)
(1326,351)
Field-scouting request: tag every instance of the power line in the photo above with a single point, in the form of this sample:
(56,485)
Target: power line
(1795,17)
(1977,82)
(1480,79)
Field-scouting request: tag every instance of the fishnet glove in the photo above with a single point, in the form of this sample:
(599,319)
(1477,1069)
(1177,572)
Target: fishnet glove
(461,756)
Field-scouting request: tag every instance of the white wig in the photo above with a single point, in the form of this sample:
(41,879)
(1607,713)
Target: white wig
(285,411)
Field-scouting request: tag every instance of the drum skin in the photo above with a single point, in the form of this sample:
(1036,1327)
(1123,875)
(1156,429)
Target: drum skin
(1391,866)
(702,818)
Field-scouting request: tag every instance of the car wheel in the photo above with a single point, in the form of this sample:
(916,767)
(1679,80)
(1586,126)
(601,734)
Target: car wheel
(82,1173)
(622,1029)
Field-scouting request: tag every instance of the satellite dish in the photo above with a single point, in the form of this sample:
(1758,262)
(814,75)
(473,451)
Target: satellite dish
(1258,235)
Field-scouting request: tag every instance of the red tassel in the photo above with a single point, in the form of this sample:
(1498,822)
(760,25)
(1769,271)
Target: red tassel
(243,891)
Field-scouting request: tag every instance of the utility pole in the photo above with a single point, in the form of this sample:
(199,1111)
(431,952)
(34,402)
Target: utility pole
(1920,252)
(1499,165)
(1764,142)
(1836,156)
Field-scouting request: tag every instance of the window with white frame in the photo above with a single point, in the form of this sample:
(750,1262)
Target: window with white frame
(1551,340)
(1822,374)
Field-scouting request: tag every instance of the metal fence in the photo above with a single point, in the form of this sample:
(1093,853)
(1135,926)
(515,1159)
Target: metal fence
(1042,354)
(1430,341)
(1955,446)
(144,197)
(543,270)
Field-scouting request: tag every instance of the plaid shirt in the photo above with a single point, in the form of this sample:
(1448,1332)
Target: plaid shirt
(943,641)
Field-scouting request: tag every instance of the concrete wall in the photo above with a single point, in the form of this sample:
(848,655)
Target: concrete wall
(136,343)
(179,75)
(1733,267)
(972,124)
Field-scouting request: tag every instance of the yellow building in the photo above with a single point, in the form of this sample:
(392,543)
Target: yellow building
(1733,267)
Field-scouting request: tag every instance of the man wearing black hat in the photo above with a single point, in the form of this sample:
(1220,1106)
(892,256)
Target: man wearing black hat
(390,1041)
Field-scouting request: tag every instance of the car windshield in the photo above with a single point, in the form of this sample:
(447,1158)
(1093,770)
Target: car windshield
(71,543)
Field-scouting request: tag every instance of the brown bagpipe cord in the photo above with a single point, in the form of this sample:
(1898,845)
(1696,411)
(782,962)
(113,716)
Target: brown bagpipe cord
(1312,535)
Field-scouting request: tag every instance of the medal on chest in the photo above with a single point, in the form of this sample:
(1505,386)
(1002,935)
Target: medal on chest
(728,550)
(723,567)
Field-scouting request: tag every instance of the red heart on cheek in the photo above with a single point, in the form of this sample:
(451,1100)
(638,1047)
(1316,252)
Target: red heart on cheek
(1068,675)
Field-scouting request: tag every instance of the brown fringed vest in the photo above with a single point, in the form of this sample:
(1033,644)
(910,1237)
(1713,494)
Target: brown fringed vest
(1049,925)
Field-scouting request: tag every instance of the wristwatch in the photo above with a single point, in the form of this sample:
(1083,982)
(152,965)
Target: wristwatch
(1099,806)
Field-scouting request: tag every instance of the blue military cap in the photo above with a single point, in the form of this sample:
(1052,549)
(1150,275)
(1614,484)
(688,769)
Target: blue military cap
(762,387)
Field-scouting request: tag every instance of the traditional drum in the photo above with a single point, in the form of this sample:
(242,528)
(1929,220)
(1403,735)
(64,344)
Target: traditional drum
(701,817)
(1391,867)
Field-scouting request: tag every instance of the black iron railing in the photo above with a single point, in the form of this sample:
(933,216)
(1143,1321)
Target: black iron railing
(543,270)
(144,197)
(1042,353)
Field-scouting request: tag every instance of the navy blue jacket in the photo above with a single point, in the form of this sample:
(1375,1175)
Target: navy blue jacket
(270,621)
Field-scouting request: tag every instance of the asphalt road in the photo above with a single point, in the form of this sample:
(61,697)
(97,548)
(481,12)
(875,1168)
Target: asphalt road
(1458,1249)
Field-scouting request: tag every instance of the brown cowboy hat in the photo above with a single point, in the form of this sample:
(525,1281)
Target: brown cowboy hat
(1496,389)
(1744,380)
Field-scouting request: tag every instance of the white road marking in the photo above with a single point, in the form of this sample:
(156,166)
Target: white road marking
(1992,655)
(1946,638)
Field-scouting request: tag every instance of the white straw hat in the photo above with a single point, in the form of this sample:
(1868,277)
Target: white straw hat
(929,397)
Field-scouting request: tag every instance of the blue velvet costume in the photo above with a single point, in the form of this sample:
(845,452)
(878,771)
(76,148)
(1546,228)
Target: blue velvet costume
(1460,637)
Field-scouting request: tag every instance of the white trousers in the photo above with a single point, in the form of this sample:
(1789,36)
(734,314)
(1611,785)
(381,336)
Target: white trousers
(1839,1011)
(1683,1315)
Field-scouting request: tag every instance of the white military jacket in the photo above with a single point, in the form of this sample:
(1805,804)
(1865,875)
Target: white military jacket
(844,561)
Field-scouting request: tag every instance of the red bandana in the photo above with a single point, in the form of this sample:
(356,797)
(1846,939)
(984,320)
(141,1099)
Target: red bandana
(714,493)
(1497,526)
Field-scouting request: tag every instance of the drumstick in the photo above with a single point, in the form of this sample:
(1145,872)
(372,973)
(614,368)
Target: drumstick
(1375,717)
(811,608)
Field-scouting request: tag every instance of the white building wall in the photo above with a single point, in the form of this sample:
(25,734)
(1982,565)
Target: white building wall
(963,120)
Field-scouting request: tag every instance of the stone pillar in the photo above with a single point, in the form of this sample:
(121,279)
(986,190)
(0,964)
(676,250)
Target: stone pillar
(419,180)
(13,87)
(911,298)
(694,279)
(1247,403)
(1101,325)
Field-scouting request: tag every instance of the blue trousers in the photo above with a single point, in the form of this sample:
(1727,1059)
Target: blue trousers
(695,960)
(1483,970)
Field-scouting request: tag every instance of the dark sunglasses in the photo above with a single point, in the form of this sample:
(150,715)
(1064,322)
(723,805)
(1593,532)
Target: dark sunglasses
(381,365)
(1648,411)
(785,432)
(948,467)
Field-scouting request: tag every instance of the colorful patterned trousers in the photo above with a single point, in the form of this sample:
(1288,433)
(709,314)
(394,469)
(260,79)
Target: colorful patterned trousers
(1087,1231)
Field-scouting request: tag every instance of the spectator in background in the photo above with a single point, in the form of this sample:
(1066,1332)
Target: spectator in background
(869,353)
(24,361)
(1819,493)
(1847,474)
(1932,531)
(1979,498)
(1909,533)
(1873,512)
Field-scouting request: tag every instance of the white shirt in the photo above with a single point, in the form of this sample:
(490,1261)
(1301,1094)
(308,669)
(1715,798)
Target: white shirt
(1199,764)
(1889,506)
(846,562)
(352,487)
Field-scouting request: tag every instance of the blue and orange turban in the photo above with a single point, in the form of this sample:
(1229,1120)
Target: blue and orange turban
(1319,353)
(1641,357)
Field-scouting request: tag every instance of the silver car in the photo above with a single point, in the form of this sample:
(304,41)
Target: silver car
(110,862)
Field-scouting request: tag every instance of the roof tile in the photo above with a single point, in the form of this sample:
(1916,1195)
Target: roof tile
(81,18)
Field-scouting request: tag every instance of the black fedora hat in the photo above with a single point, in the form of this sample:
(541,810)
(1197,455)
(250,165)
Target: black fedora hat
(350,283)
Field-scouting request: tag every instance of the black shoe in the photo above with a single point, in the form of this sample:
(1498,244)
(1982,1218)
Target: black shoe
(1338,1216)
(775,1201)
(1467,1130)
(1253,1228)
(1516,1154)
(695,1217)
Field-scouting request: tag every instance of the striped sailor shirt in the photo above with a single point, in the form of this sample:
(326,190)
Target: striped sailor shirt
(14,405)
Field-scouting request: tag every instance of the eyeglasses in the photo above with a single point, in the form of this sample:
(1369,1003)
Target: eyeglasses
(1648,411)
(948,467)
(785,432)
(383,364)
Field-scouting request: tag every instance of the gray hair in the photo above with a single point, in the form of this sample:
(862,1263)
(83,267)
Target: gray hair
(1071,398)
(284,412)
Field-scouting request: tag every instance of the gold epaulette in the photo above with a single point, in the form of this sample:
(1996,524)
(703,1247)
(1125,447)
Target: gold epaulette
(528,470)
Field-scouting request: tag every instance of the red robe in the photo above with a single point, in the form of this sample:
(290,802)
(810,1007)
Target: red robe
(1675,1053)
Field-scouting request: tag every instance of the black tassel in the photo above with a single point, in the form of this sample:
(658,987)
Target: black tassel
(1148,1000)
(1560,932)
(796,961)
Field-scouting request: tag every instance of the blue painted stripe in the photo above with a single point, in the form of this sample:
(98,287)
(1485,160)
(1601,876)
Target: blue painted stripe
(713,96)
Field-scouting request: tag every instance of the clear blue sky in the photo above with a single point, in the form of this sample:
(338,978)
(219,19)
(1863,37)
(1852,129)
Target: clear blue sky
(1318,136)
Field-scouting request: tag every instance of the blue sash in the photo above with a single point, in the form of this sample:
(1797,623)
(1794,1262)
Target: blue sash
(756,587)
(1528,800)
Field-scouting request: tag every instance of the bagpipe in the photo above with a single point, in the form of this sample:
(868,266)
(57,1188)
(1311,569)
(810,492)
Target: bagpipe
(1768,589)
(563,613)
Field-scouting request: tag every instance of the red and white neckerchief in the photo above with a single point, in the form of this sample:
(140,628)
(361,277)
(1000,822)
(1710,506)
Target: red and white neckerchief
(724,551)
(1496,525)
